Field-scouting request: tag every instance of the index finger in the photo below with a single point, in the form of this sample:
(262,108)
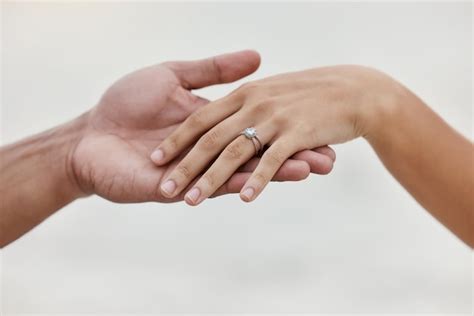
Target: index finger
(194,127)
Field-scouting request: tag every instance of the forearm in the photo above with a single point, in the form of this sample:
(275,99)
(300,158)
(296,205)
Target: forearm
(430,159)
(36,179)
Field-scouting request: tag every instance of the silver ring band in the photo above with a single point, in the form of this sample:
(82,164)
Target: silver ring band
(258,149)
(251,133)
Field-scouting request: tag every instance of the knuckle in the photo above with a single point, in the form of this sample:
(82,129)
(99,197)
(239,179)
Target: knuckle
(184,170)
(230,99)
(249,86)
(260,179)
(246,89)
(263,107)
(210,140)
(197,120)
(209,178)
(275,157)
(172,142)
(216,69)
(280,118)
(233,151)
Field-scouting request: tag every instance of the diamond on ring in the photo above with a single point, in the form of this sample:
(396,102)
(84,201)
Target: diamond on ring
(250,132)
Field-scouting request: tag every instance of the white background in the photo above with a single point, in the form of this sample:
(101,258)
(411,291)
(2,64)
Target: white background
(353,241)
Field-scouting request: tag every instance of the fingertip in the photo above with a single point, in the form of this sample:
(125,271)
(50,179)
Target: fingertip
(157,156)
(332,154)
(325,166)
(249,55)
(247,194)
(303,171)
(189,202)
(238,64)
(257,58)
(243,199)
(168,188)
(193,197)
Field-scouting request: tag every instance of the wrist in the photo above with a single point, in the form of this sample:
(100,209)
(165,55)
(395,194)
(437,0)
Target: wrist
(68,136)
(382,108)
(43,162)
(50,154)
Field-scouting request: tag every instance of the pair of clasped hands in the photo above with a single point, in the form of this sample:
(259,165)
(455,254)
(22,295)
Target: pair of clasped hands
(150,138)
(158,141)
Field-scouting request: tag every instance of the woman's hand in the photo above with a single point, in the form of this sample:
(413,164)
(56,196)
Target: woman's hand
(290,112)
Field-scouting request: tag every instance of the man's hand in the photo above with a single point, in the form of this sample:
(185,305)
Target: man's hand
(141,109)
(106,151)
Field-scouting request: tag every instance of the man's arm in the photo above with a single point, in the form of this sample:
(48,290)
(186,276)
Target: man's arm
(36,178)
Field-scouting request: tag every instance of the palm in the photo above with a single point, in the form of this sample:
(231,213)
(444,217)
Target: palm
(133,116)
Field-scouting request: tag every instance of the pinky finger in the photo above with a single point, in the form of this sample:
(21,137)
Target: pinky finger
(268,166)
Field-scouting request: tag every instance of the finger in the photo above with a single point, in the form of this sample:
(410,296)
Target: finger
(327,151)
(193,127)
(318,162)
(291,170)
(206,149)
(233,156)
(271,161)
(214,70)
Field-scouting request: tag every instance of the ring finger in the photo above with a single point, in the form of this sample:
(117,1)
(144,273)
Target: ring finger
(268,166)
(232,157)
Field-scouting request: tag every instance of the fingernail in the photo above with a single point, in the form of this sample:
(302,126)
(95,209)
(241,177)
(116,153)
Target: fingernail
(247,194)
(193,195)
(157,155)
(168,187)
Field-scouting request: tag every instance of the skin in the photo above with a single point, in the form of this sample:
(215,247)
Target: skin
(307,109)
(106,150)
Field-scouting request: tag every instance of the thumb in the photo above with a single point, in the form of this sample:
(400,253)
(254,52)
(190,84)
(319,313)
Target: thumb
(214,70)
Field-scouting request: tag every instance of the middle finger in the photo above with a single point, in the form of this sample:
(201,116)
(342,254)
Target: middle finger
(205,150)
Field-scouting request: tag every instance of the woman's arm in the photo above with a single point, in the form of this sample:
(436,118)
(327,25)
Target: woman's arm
(430,159)
(328,105)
